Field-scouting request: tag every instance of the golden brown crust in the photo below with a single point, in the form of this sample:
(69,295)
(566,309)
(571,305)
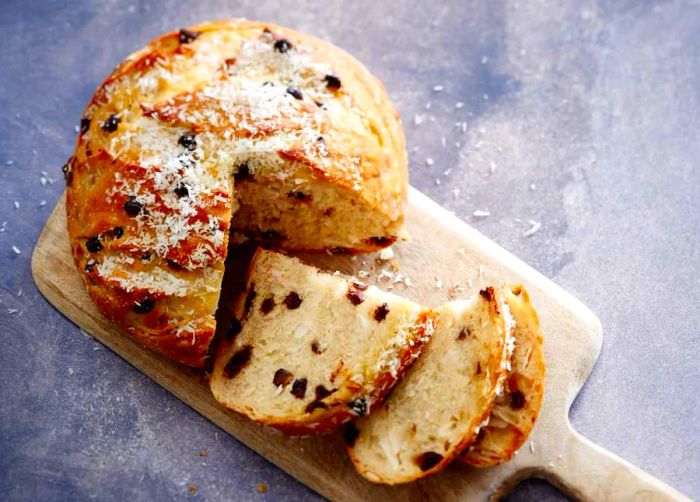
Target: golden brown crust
(132,128)
(515,413)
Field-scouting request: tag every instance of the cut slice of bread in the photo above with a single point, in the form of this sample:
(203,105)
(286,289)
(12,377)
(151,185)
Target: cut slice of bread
(310,350)
(515,412)
(438,407)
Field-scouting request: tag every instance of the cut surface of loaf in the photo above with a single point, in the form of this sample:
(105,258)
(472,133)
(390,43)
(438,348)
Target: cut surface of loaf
(226,124)
(515,411)
(310,350)
(441,402)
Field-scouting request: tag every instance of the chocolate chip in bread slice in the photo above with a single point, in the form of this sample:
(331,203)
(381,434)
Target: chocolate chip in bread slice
(439,405)
(310,350)
(515,412)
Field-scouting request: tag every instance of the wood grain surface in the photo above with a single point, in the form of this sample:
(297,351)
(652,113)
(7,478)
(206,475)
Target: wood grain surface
(443,255)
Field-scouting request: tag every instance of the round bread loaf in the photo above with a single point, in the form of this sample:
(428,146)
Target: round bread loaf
(226,125)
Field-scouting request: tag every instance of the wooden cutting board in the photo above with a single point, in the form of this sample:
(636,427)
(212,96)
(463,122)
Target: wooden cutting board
(445,250)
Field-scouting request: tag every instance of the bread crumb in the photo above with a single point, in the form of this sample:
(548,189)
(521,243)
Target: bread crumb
(438,88)
(192,489)
(386,254)
(536,225)
(262,487)
(203,453)
(532,447)
(479,213)
(16,250)
(429,161)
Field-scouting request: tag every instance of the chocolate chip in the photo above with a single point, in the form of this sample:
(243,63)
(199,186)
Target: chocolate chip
(295,92)
(132,206)
(315,347)
(146,256)
(282,45)
(299,388)
(381,312)
(332,82)
(355,293)
(340,250)
(320,104)
(67,170)
(350,434)
(242,173)
(93,244)
(268,83)
(144,306)
(181,191)
(517,400)
(293,300)
(173,264)
(315,405)
(359,285)
(188,141)
(84,125)
(267,305)
(238,361)
(111,124)
(358,406)
(381,241)
(234,328)
(300,196)
(487,293)
(282,378)
(187,36)
(322,392)
(249,299)
(118,232)
(464,333)
(428,460)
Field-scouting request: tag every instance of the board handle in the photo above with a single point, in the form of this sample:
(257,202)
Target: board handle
(588,472)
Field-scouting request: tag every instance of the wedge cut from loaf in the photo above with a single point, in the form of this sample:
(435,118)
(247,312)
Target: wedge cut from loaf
(438,407)
(515,412)
(309,350)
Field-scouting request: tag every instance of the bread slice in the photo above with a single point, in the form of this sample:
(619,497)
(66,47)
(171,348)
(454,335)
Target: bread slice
(437,409)
(310,350)
(515,411)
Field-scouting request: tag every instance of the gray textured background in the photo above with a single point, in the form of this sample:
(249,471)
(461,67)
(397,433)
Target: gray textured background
(595,105)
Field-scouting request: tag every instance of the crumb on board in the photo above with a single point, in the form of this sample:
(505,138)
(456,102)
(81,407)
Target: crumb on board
(203,453)
(192,489)
(262,487)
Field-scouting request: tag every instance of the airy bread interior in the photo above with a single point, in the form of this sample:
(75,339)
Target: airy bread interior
(440,404)
(310,350)
(306,213)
